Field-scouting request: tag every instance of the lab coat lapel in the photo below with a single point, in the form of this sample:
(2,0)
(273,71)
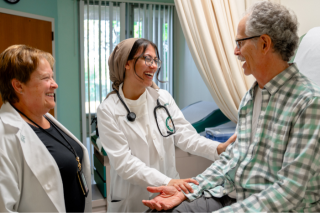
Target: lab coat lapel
(37,157)
(43,165)
(152,96)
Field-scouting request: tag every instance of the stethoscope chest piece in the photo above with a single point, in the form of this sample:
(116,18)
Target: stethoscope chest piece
(131,116)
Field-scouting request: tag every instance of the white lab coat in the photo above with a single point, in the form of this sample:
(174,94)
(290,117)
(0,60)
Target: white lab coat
(30,179)
(128,151)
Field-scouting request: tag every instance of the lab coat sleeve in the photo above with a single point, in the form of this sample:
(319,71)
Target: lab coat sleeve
(127,166)
(9,184)
(187,138)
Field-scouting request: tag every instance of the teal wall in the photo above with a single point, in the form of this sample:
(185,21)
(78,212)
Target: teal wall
(39,7)
(68,78)
(67,58)
(66,54)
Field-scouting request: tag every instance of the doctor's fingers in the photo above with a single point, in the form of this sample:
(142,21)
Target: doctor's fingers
(155,189)
(190,189)
(190,180)
(232,138)
(177,186)
(186,187)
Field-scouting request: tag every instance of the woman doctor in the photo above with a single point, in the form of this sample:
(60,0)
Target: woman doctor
(139,125)
(43,167)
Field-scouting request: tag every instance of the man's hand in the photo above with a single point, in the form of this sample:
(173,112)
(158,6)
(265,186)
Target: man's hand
(168,198)
(183,184)
(222,147)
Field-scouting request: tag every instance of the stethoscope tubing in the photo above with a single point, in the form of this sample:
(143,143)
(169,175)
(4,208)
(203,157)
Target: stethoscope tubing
(131,116)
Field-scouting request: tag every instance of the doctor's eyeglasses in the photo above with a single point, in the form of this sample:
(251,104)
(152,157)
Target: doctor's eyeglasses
(149,61)
(169,125)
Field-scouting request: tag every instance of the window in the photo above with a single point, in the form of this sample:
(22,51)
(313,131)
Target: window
(103,24)
(101,34)
(154,22)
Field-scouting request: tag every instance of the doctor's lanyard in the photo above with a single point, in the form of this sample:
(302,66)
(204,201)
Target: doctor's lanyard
(82,180)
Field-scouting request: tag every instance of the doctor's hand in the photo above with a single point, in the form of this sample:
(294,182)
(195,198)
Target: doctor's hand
(182,184)
(168,198)
(222,147)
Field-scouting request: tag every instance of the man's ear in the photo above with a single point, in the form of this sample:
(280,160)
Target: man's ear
(266,43)
(17,86)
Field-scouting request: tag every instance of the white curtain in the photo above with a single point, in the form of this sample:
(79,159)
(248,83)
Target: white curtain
(210,27)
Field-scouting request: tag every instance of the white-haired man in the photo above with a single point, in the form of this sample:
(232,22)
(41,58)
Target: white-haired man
(274,164)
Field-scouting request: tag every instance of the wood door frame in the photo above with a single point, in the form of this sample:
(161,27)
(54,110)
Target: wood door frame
(43,18)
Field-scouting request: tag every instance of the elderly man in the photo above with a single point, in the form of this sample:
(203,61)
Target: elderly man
(274,164)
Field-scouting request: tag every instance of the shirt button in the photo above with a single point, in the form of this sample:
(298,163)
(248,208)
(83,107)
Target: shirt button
(48,186)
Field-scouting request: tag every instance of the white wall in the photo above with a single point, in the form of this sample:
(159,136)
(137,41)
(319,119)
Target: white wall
(188,85)
(307,12)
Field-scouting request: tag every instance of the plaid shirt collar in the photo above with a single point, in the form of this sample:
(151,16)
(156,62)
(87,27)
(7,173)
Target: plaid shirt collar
(276,83)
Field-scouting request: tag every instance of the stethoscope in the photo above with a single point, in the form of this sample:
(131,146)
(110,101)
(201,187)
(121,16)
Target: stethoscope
(131,116)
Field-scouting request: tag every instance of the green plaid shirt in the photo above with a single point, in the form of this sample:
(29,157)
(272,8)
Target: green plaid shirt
(279,170)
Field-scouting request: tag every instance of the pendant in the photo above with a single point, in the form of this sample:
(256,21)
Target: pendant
(79,164)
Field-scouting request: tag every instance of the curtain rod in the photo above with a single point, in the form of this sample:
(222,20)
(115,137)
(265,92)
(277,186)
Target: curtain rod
(128,1)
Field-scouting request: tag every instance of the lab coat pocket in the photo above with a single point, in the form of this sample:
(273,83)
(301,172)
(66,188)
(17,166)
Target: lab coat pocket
(117,206)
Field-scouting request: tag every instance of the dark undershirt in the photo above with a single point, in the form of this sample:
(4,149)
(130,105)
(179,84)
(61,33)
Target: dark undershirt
(67,164)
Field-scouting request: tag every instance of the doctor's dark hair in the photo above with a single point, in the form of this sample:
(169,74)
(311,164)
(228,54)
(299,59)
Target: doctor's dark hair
(276,21)
(19,62)
(137,46)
